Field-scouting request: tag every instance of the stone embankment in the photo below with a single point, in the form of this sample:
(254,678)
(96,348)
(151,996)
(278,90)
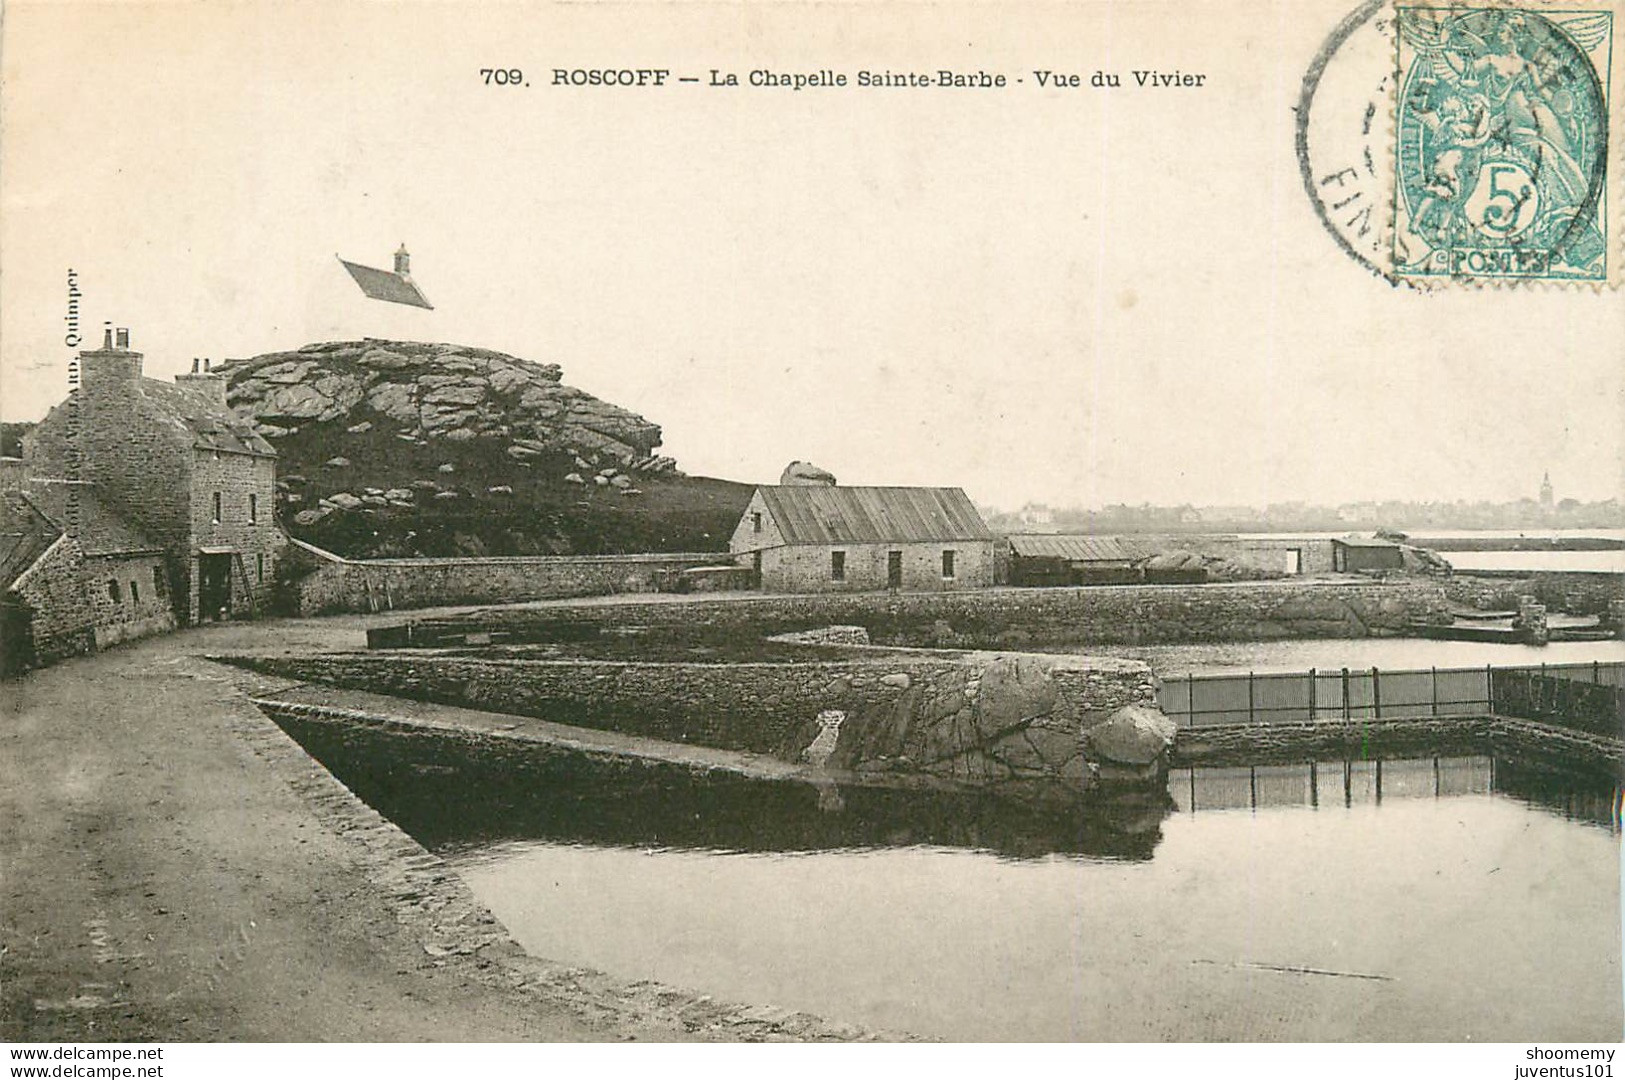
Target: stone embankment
(1058,618)
(1001,721)
(324,583)
(1258,744)
(1572,593)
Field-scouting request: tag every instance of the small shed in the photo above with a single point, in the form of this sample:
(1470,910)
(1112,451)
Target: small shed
(1354,554)
(1049,559)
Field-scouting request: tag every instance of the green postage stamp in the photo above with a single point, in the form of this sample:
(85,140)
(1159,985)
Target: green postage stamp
(1505,163)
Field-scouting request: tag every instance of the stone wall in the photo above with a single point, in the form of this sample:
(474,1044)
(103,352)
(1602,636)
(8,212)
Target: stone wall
(249,529)
(138,467)
(806,567)
(141,606)
(54,590)
(1573,593)
(1011,618)
(319,582)
(73,606)
(1266,555)
(981,718)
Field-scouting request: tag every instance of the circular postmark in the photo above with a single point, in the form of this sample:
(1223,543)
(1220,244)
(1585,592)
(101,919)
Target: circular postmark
(1344,135)
(1441,144)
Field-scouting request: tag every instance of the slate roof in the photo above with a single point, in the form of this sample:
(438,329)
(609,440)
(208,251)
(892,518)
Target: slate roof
(102,530)
(196,411)
(1075,548)
(858,515)
(386,285)
(25,533)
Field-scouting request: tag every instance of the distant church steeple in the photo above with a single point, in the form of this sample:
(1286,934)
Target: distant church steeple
(1546,489)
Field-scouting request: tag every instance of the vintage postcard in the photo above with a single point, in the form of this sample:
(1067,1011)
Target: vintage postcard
(904,523)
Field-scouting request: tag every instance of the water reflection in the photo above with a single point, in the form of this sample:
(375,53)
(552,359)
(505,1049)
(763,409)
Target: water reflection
(1357,783)
(451,795)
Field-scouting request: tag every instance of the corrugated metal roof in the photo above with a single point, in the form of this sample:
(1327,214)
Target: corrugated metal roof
(858,515)
(1075,548)
(386,285)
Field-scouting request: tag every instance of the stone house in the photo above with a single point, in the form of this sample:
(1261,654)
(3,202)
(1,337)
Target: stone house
(74,576)
(813,538)
(179,466)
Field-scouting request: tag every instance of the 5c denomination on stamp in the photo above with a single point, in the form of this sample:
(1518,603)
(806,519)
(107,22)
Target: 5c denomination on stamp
(1502,144)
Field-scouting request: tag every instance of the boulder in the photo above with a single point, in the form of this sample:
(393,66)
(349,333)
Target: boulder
(1135,735)
(361,428)
(448,467)
(337,463)
(343,500)
(806,474)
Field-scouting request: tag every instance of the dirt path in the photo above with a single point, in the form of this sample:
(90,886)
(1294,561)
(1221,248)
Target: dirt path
(175,869)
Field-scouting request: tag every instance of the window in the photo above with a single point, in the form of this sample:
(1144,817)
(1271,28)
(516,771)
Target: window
(837,566)
(158,580)
(217,508)
(113,592)
(259,564)
(253,509)
(756,523)
(135,593)
(947,565)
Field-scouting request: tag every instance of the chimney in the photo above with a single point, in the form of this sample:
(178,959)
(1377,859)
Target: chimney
(112,366)
(204,380)
(403,262)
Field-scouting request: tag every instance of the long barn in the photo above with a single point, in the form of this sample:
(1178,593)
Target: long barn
(815,538)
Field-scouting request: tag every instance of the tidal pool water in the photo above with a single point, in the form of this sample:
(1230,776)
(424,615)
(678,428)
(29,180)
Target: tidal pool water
(1466,915)
(1435,899)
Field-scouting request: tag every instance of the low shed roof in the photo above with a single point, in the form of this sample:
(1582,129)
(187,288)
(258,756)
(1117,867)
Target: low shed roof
(1075,548)
(857,515)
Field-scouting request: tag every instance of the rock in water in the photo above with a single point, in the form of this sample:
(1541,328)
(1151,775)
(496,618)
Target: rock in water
(1135,735)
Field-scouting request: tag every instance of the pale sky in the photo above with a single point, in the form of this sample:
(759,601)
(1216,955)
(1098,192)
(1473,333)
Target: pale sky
(1073,296)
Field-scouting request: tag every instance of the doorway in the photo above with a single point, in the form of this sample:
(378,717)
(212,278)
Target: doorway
(213,587)
(894,570)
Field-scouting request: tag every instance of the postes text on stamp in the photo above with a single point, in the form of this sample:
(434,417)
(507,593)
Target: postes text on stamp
(1503,162)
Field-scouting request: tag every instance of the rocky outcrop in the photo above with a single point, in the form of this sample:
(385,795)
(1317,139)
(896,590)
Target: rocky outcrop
(437,392)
